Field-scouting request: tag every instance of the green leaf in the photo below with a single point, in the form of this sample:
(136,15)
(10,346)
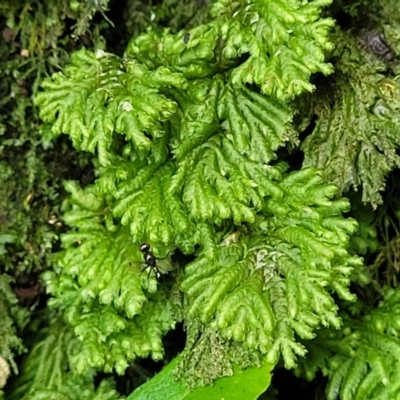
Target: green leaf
(243,384)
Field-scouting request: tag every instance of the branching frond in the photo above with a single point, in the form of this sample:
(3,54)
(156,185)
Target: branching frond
(362,360)
(273,284)
(46,371)
(357,131)
(99,284)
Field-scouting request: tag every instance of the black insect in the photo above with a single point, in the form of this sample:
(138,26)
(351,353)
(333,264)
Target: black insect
(186,38)
(149,260)
(376,43)
(144,248)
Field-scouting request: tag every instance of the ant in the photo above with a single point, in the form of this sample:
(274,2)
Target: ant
(150,260)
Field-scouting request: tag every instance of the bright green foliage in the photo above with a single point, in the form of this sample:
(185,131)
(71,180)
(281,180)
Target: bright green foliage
(46,371)
(184,127)
(357,130)
(209,184)
(93,98)
(269,285)
(12,317)
(281,55)
(100,285)
(276,270)
(362,360)
(188,131)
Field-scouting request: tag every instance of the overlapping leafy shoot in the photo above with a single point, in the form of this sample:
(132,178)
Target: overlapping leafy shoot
(362,359)
(46,372)
(185,128)
(356,138)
